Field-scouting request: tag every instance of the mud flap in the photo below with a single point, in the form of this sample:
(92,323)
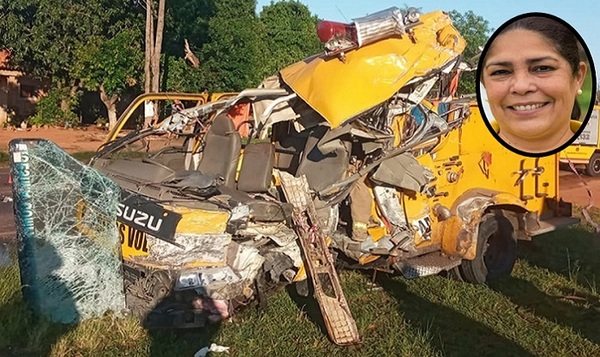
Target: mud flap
(69,246)
(327,288)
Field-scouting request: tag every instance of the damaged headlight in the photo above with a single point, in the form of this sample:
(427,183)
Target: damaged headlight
(205,279)
(239,218)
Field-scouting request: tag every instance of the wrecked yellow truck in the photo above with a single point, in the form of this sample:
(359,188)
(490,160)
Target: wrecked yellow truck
(348,161)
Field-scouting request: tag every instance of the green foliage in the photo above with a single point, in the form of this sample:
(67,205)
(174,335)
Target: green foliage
(476,31)
(3,158)
(290,34)
(114,63)
(237,49)
(49,112)
(585,99)
(186,19)
(181,77)
(101,121)
(84,156)
(474,28)
(45,34)
(99,42)
(231,56)
(47,38)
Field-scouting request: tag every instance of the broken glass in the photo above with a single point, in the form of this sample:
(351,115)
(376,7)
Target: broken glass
(69,247)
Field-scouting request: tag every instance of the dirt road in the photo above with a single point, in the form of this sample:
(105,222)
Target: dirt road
(573,189)
(71,140)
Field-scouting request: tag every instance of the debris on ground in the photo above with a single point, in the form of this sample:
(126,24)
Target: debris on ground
(213,348)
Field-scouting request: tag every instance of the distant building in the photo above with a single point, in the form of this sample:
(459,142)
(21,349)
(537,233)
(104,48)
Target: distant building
(19,93)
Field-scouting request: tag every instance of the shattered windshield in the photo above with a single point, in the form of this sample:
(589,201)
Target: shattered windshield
(69,248)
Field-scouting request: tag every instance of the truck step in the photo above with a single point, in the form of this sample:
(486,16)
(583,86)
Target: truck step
(428,264)
(328,291)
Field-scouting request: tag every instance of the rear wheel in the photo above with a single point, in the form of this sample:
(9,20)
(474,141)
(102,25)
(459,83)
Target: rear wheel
(496,251)
(593,167)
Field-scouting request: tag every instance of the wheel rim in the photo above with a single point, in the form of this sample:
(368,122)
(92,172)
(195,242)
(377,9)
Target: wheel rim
(596,165)
(493,254)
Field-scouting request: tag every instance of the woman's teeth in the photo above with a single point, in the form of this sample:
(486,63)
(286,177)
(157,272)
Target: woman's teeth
(527,107)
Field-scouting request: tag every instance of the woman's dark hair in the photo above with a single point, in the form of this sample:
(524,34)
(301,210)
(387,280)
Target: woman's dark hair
(560,36)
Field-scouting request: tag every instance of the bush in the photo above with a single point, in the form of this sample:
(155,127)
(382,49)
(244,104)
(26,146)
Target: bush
(49,112)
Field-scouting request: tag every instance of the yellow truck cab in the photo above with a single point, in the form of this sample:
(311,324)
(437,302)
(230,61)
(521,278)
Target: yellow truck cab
(585,151)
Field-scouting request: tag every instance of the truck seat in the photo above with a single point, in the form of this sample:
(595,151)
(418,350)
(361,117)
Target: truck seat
(221,150)
(257,168)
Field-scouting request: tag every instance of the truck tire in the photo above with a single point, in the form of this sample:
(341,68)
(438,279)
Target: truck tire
(593,167)
(496,251)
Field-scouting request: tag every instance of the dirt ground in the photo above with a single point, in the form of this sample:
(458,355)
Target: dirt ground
(71,140)
(573,189)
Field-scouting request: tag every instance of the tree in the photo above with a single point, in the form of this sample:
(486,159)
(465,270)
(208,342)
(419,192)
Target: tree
(186,24)
(185,19)
(182,77)
(290,34)
(476,31)
(111,66)
(149,46)
(231,57)
(43,36)
(157,48)
(47,36)
(153,51)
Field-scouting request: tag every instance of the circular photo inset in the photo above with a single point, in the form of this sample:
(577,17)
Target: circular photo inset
(535,84)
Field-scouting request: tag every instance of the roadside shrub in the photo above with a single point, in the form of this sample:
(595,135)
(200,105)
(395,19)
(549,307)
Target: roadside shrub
(49,112)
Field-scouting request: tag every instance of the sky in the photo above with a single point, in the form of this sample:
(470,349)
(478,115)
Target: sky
(583,15)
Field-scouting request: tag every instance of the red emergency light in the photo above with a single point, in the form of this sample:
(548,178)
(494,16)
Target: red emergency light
(328,30)
(338,37)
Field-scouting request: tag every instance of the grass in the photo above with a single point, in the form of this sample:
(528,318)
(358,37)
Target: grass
(550,306)
(83,156)
(3,159)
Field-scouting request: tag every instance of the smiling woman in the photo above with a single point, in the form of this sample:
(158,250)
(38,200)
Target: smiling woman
(532,73)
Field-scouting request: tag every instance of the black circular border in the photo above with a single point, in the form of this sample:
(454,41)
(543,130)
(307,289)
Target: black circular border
(478,84)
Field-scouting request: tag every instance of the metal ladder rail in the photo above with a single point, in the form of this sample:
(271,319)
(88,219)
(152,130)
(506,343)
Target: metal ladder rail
(319,263)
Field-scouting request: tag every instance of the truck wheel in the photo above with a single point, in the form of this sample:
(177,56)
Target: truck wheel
(496,251)
(593,167)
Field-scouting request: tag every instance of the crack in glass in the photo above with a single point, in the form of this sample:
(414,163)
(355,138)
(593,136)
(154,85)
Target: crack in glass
(69,247)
